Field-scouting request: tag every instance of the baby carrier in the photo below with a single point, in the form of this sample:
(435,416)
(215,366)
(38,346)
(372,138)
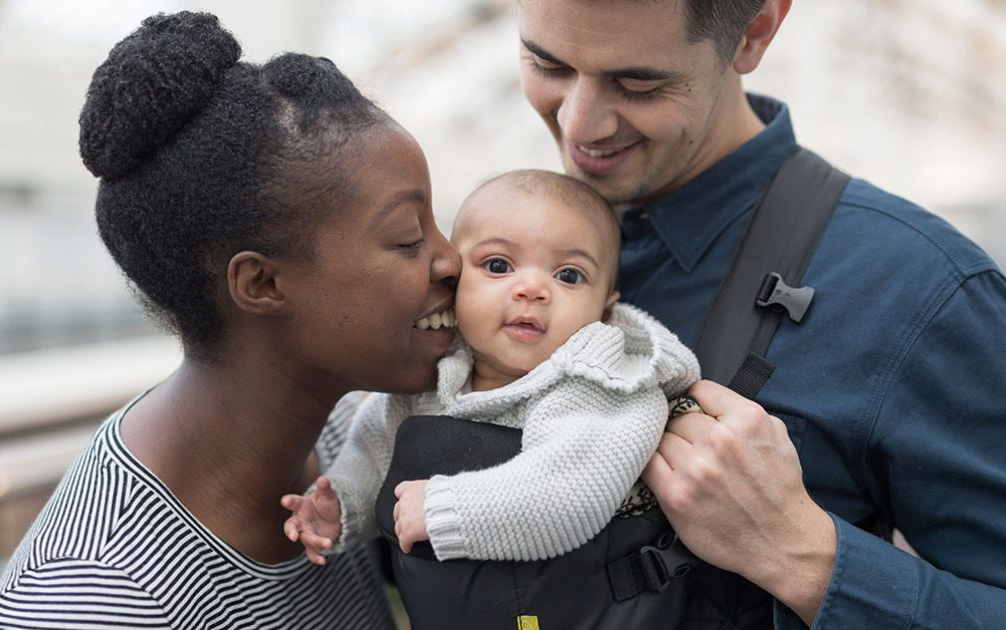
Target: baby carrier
(635,573)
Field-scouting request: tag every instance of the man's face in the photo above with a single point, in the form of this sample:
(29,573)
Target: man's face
(636,109)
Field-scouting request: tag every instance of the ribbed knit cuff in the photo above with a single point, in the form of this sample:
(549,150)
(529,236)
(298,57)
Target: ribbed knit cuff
(443,523)
(349,519)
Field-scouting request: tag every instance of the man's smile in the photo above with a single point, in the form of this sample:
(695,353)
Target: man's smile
(599,161)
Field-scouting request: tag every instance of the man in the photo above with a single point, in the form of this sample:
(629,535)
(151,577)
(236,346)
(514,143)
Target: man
(886,407)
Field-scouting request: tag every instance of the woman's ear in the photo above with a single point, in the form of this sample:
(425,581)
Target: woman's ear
(251,281)
(610,304)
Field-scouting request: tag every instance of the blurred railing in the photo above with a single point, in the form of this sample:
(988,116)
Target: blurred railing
(50,403)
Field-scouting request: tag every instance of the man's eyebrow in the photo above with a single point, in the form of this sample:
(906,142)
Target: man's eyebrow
(541,52)
(636,73)
(396,200)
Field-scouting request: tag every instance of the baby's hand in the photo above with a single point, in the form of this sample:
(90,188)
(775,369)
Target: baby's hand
(410,518)
(315,521)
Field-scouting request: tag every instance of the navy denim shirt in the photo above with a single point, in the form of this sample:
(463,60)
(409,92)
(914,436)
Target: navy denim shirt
(893,388)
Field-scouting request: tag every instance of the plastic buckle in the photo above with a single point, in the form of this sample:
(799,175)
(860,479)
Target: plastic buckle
(654,560)
(657,578)
(795,300)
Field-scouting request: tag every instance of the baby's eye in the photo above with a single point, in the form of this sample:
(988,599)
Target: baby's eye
(569,276)
(496,265)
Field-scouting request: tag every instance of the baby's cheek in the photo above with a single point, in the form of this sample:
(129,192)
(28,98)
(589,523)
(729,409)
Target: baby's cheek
(468,320)
(463,324)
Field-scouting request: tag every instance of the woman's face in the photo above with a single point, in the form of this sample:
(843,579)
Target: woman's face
(380,265)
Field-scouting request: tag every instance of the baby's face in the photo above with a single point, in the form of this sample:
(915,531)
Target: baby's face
(534,271)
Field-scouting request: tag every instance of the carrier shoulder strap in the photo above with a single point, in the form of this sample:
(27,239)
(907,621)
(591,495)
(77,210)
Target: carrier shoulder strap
(762,283)
(766,271)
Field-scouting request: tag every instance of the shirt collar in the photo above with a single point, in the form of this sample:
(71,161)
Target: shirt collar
(690,219)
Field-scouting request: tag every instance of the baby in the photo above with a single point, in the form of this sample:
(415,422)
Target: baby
(545,349)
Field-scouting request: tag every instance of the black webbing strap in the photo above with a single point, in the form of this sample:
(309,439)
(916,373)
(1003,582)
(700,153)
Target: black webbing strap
(751,375)
(769,262)
(765,273)
(651,569)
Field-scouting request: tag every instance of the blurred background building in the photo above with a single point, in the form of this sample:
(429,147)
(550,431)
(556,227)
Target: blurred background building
(908,93)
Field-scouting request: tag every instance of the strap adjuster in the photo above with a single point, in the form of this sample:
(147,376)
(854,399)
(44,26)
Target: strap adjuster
(651,569)
(795,300)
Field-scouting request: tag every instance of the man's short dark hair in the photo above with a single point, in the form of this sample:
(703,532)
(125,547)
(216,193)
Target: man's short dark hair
(722,21)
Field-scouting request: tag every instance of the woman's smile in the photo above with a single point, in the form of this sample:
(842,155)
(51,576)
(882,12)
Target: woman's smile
(436,329)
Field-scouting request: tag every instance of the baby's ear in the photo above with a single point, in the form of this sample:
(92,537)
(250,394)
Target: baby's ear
(609,304)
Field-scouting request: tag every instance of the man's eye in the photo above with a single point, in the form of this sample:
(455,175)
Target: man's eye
(569,276)
(640,87)
(636,92)
(496,265)
(546,68)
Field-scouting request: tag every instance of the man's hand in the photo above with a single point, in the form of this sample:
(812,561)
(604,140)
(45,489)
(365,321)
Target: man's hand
(410,517)
(316,520)
(730,482)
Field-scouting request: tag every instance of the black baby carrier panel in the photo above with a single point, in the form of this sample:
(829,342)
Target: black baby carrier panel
(569,591)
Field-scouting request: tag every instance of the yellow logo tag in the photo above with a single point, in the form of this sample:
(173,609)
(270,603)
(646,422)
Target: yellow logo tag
(527,622)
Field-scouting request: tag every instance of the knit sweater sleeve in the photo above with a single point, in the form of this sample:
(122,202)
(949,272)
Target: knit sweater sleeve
(362,463)
(583,448)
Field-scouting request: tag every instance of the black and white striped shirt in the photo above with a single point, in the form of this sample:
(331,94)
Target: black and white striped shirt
(114,548)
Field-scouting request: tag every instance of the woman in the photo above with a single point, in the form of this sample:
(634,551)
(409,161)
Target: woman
(280,224)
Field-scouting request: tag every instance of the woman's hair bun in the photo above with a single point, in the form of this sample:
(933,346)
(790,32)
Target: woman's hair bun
(153,82)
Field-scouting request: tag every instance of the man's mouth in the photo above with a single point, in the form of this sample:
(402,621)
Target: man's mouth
(436,321)
(598,153)
(598,160)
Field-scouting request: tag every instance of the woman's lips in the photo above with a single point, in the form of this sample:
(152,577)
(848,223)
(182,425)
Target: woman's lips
(438,337)
(598,161)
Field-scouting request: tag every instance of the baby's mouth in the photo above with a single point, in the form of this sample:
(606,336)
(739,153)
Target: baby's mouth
(529,324)
(443,319)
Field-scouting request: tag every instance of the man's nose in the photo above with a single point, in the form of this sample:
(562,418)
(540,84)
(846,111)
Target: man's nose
(585,114)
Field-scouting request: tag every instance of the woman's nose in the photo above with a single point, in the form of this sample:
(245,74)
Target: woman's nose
(445,267)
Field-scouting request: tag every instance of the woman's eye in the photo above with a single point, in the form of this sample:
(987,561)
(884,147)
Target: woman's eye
(413,246)
(569,276)
(496,265)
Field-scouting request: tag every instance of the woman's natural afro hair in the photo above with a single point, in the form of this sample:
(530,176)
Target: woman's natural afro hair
(201,156)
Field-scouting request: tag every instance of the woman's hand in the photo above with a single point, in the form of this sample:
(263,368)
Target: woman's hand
(410,517)
(315,521)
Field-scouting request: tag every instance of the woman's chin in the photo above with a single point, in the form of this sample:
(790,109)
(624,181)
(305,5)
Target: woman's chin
(435,340)
(415,382)
(414,377)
